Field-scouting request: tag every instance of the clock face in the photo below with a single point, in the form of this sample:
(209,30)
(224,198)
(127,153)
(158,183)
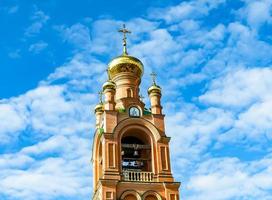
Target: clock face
(134,112)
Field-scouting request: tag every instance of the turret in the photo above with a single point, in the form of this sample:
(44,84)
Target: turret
(98,114)
(154,93)
(98,110)
(109,88)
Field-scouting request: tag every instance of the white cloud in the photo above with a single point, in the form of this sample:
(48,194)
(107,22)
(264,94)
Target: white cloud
(245,93)
(54,112)
(38,47)
(186,10)
(194,130)
(47,110)
(240,88)
(39,19)
(230,178)
(186,26)
(77,34)
(81,66)
(53,144)
(50,169)
(257,12)
(49,179)
(105,38)
(15,161)
(11,121)
(149,52)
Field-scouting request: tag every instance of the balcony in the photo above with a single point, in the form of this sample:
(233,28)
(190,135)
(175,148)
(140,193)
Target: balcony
(138,176)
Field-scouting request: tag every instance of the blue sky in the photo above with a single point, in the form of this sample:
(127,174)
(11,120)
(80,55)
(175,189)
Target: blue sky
(213,60)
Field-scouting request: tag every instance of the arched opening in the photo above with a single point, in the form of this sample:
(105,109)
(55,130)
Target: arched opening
(136,151)
(151,197)
(130,197)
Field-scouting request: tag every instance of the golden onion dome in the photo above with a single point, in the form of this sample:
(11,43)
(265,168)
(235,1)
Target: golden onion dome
(109,85)
(154,88)
(99,107)
(125,63)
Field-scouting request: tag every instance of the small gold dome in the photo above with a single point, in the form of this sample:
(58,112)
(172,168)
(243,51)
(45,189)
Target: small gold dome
(125,63)
(109,85)
(98,108)
(155,89)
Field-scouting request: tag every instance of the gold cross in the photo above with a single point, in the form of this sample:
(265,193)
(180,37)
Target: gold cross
(100,93)
(124,31)
(153,76)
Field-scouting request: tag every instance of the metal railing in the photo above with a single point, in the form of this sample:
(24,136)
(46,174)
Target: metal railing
(138,176)
(136,146)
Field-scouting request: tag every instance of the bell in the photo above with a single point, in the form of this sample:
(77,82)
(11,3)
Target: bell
(136,153)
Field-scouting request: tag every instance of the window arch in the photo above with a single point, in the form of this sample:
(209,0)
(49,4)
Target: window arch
(151,195)
(136,151)
(149,131)
(130,195)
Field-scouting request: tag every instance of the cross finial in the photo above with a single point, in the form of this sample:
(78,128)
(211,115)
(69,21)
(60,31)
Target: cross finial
(100,93)
(153,76)
(124,31)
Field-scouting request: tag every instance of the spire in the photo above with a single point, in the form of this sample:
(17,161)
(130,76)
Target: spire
(124,31)
(153,76)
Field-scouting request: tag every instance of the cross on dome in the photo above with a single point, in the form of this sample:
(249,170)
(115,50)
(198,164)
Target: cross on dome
(153,76)
(124,31)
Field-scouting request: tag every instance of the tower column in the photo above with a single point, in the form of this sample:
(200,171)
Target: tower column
(154,93)
(155,100)
(109,92)
(131,150)
(127,86)
(98,114)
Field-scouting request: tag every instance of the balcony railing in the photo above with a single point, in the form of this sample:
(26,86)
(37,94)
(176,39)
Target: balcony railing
(138,176)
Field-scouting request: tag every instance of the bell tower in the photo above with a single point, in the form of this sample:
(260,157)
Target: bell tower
(130,156)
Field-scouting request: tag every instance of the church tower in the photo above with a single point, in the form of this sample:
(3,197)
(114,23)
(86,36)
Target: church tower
(131,159)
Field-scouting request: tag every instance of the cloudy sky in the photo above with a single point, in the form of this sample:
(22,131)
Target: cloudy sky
(213,59)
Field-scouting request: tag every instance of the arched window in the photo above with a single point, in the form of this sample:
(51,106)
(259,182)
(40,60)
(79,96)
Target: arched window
(129,92)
